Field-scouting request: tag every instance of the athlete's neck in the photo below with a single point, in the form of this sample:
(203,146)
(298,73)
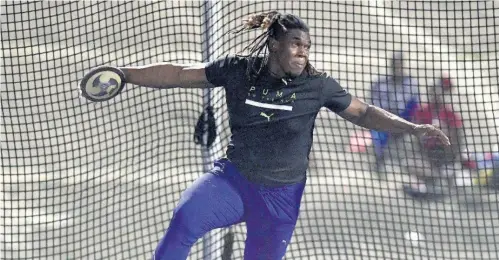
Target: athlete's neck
(275,70)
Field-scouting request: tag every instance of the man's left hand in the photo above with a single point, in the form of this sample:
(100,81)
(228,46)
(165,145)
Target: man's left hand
(430,131)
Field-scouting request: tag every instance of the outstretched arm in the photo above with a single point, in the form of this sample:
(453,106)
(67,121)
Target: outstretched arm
(375,118)
(167,75)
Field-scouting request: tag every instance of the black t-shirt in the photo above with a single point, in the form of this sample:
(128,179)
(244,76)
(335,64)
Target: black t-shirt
(272,120)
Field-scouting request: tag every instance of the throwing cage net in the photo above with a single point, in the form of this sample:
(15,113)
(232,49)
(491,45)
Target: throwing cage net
(84,180)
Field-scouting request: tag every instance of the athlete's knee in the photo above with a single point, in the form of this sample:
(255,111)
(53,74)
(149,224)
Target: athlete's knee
(187,219)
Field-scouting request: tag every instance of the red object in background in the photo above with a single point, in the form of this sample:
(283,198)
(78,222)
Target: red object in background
(359,141)
(471,161)
(426,114)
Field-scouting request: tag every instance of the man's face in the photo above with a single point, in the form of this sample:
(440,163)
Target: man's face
(292,52)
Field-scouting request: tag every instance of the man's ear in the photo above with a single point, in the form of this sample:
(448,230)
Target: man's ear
(273,45)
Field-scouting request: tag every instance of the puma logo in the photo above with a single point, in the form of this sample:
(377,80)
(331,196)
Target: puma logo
(266,116)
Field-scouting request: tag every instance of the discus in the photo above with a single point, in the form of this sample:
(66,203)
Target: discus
(102,83)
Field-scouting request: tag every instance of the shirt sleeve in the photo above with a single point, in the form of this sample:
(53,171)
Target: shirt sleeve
(220,70)
(334,96)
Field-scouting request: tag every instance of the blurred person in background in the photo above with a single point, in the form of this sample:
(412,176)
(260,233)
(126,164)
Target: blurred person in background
(397,93)
(427,161)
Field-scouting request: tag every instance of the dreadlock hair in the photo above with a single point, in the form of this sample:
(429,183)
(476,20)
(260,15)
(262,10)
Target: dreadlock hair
(274,25)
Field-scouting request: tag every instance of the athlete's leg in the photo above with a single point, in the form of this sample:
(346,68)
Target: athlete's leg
(210,202)
(270,221)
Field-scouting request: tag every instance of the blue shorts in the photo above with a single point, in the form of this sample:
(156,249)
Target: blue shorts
(223,197)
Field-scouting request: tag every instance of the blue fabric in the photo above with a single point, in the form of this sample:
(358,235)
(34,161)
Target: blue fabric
(223,197)
(410,108)
(380,139)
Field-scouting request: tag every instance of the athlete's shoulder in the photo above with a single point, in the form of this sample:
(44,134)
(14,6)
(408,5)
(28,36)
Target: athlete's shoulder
(227,64)
(233,59)
(319,76)
(315,80)
(223,69)
(333,95)
(326,82)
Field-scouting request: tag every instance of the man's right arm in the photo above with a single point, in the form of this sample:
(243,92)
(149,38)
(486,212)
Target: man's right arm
(167,75)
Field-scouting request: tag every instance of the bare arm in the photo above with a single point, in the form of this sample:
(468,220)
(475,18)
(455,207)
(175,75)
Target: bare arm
(167,75)
(375,118)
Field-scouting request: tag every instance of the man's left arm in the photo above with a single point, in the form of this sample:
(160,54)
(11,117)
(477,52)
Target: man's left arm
(338,100)
(375,118)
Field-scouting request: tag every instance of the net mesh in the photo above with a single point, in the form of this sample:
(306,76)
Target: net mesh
(84,180)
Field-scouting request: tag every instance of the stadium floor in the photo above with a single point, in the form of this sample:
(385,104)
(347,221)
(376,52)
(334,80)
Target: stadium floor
(346,215)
